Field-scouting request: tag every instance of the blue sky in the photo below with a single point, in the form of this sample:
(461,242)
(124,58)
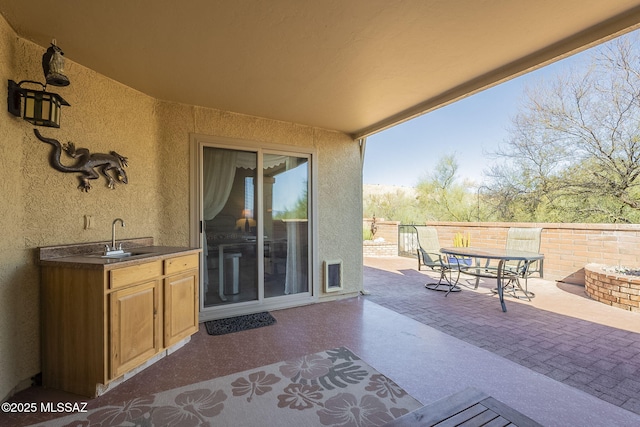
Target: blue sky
(288,187)
(468,128)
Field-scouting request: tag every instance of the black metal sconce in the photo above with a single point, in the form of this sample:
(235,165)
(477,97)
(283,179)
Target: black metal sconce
(40,107)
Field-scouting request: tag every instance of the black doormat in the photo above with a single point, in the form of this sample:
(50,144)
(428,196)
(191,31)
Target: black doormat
(239,323)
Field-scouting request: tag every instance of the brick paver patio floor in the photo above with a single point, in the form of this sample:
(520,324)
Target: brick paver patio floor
(560,341)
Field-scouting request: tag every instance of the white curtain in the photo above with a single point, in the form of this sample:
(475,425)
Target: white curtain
(295,278)
(291,277)
(218,173)
(219,170)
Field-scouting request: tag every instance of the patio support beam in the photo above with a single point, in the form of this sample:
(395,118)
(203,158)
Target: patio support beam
(583,40)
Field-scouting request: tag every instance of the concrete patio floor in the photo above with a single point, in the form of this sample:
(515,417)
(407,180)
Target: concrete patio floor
(561,333)
(562,360)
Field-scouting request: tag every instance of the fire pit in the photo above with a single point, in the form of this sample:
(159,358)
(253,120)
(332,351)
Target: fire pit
(615,286)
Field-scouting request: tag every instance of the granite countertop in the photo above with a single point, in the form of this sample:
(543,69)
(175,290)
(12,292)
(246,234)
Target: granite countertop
(88,255)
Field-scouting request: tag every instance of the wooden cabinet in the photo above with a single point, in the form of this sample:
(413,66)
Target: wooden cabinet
(126,276)
(180,298)
(101,323)
(134,326)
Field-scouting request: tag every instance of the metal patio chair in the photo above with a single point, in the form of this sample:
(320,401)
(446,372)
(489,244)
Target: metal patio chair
(429,256)
(524,239)
(520,239)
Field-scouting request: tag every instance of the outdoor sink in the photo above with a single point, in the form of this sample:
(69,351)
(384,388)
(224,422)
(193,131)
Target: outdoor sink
(122,254)
(116,252)
(118,255)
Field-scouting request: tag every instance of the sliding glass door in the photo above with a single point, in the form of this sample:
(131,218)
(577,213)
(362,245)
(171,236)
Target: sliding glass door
(255,229)
(229,231)
(286,224)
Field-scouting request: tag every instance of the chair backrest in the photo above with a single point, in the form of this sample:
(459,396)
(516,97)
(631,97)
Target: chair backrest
(524,239)
(429,244)
(428,238)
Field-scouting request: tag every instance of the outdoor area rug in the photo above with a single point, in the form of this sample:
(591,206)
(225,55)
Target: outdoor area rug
(239,323)
(330,388)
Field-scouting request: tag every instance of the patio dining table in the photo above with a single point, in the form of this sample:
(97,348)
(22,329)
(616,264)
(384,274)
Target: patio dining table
(502,255)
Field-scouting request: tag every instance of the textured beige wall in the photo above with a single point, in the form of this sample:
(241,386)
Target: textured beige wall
(339,177)
(41,206)
(340,207)
(19,333)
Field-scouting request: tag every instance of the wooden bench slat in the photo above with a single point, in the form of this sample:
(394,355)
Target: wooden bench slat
(454,420)
(469,408)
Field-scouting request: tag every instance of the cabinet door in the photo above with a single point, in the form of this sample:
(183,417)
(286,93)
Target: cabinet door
(134,326)
(180,306)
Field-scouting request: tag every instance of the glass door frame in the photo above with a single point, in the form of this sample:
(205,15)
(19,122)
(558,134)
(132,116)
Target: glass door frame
(197,145)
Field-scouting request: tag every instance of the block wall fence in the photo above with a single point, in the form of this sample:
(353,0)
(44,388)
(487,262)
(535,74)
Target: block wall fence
(568,248)
(386,236)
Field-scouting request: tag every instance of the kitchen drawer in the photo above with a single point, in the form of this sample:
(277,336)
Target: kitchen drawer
(136,273)
(181,263)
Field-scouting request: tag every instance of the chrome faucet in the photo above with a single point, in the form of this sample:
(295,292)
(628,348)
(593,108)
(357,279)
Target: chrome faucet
(113,234)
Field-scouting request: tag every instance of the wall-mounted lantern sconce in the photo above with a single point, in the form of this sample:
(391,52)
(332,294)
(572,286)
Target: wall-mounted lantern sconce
(40,107)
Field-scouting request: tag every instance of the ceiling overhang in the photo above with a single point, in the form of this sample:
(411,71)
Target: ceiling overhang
(355,66)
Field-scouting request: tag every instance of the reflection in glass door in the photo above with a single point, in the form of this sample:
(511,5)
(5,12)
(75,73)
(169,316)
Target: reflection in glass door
(254,213)
(229,244)
(286,225)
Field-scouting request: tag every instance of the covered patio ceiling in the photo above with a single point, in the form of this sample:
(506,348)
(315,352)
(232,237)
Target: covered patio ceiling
(356,66)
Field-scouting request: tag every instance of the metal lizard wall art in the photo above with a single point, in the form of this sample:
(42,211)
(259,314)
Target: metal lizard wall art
(86,162)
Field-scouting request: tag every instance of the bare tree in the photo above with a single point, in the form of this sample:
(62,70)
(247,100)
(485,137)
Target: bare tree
(574,146)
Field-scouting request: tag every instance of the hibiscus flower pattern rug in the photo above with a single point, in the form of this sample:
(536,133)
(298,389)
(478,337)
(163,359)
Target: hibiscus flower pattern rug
(331,388)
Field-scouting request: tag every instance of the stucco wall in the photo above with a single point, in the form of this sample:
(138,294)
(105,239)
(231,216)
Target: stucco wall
(18,333)
(340,207)
(339,178)
(41,206)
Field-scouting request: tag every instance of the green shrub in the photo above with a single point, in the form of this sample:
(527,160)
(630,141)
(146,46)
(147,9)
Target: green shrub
(366,234)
